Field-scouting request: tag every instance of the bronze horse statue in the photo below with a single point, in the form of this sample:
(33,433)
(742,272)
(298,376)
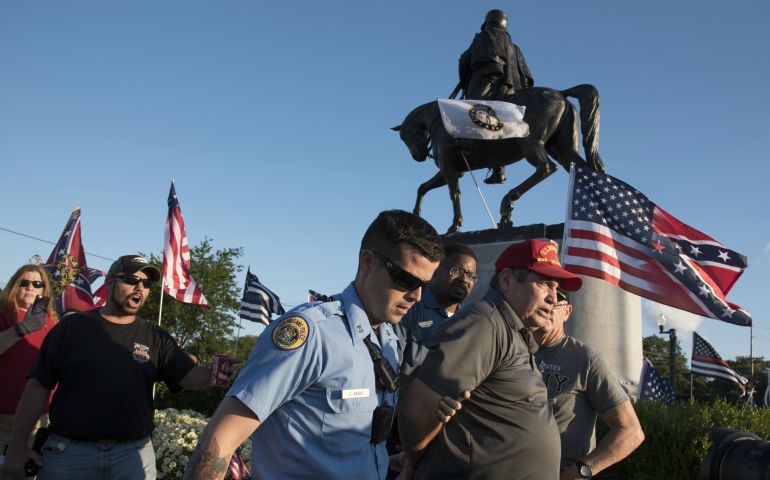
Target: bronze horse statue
(553,131)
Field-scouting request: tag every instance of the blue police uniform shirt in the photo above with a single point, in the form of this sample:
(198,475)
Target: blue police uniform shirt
(315,398)
(416,328)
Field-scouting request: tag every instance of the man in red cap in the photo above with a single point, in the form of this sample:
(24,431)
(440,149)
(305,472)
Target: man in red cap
(506,425)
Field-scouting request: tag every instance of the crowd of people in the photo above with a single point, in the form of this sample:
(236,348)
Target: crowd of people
(392,378)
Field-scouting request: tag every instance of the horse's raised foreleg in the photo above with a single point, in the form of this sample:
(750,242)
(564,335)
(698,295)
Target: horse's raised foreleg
(436,181)
(538,158)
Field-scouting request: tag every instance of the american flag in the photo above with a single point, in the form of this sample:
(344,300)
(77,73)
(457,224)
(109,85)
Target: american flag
(706,361)
(652,386)
(238,468)
(71,279)
(313,296)
(177,280)
(258,301)
(615,233)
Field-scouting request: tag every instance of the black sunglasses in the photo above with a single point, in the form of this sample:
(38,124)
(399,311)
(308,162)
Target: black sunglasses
(403,280)
(134,280)
(34,283)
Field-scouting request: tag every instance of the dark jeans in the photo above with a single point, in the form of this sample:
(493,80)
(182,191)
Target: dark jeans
(67,459)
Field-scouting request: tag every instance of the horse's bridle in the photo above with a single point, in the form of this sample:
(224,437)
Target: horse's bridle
(428,140)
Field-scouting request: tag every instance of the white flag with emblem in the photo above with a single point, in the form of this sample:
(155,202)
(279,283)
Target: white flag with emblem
(483,119)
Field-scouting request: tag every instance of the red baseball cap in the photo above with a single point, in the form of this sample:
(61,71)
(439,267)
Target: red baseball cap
(541,256)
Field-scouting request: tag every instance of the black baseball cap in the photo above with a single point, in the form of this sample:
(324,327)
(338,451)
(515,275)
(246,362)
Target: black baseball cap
(130,264)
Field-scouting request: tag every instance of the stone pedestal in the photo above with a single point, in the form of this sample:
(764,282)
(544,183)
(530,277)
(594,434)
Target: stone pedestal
(604,317)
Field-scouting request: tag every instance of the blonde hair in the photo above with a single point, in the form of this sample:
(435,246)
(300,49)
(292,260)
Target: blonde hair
(9,297)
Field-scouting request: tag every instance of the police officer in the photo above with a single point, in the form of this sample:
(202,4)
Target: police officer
(318,391)
(453,282)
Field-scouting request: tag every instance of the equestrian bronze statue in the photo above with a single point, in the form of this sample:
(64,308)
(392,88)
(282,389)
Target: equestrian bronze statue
(553,132)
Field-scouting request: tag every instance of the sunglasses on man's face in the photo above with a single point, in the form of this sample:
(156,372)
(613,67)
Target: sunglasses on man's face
(34,283)
(133,280)
(403,280)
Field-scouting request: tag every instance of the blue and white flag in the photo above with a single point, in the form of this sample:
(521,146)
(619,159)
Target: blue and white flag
(653,387)
(258,301)
(483,119)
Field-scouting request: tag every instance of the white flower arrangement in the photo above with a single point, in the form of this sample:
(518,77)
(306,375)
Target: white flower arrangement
(176,436)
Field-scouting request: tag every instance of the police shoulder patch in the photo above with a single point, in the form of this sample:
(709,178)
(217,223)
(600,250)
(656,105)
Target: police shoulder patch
(290,333)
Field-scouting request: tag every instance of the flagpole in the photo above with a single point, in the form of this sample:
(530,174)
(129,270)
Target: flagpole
(483,200)
(237,336)
(160,310)
(691,386)
(751,350)
(160,307)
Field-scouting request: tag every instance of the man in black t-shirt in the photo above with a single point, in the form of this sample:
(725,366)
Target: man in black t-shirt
(103,364)
(506,428)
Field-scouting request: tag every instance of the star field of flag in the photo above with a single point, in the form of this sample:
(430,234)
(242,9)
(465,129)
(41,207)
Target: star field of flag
(653,387)
(616,233)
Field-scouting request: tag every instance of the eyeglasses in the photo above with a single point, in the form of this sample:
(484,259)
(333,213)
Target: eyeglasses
(34,283)
(402,279)
(134,280)
(456,271)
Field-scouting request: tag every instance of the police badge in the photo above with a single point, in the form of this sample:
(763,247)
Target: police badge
(291,333)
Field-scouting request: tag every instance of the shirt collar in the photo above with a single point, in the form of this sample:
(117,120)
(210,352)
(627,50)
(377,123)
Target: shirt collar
(429,300)
(354,312)
(510,316)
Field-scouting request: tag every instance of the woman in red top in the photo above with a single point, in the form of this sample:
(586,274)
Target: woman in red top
(20,344)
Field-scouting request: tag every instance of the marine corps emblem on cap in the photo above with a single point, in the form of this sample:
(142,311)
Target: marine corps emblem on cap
(291,333)
(139,260)
(485,117)
(549,253)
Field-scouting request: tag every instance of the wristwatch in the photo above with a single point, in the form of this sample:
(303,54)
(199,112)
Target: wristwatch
(584,470)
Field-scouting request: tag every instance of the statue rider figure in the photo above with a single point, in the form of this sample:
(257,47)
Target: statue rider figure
(493,67)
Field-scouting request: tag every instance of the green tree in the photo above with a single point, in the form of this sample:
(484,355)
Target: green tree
(202,332)
(728,389)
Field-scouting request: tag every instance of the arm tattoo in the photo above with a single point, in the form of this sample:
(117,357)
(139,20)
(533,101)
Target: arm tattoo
(205,465)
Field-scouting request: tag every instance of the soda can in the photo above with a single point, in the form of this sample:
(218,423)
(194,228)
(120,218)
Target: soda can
(219,364)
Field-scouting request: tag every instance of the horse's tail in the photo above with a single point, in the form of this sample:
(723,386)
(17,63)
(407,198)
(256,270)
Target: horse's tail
(588,97)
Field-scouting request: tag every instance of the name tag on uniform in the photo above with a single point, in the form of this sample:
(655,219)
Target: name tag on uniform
(357,393)
(425,324)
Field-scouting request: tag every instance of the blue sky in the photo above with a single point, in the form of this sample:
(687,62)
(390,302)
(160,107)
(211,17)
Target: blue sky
(274,122)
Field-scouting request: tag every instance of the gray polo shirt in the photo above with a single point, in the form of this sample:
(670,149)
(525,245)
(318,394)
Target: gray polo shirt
(580,387)
(506,429)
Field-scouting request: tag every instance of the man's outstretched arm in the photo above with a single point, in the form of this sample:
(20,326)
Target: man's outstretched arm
(230,426)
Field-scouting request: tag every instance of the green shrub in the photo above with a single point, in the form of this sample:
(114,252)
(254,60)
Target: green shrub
(678,437)
(202,401)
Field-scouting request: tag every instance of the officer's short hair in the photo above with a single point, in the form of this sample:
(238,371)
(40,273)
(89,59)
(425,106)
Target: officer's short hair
(459,249)
(392,227)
